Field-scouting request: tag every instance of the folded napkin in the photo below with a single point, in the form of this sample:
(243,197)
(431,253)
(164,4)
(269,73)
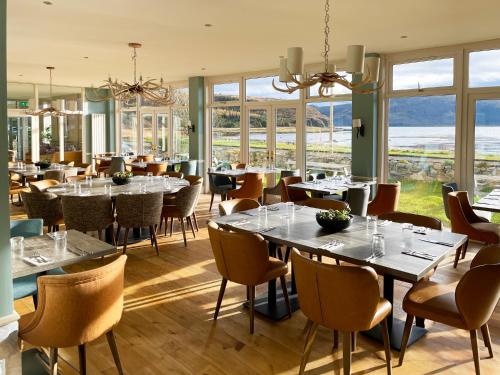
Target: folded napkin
(37,260)
(332,245)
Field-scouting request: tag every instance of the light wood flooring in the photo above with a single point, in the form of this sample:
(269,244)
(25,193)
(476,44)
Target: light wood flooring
(167,325)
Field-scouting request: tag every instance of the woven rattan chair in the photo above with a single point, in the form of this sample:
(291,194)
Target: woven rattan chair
(139,211)
(57,175)
(182,208)
(46,206)
(88,214)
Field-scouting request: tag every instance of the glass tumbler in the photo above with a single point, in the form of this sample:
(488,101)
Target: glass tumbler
(17,245)
(60,240)
(378,245)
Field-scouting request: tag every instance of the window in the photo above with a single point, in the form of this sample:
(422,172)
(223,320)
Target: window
(421,150)
(423,74)
(484,68)
(162,135)
(226,140)
(337,89)
(19,136)
(329,133)
(286,138)
(72,136)
(226,92)
(129,131)
(49,138)
(147,133)
(182,96)
(180,120)
(261,90)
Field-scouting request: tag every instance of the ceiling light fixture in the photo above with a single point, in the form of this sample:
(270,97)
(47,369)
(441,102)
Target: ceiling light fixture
(157,93)
(291,69)
(48,2)
(404,36)
(50,110)
(208,25)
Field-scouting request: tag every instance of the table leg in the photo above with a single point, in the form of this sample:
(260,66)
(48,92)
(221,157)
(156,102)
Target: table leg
(233,182)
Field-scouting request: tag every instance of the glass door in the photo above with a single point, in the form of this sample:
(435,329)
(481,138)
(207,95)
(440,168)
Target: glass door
(162,134)
(147,133)
(259,145)
(19,137)
(285,137)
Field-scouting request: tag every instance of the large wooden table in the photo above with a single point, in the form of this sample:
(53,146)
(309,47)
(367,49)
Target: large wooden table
(306,235)
(490,202)
(80,247)
(332,185)
(25,173)
(233,174)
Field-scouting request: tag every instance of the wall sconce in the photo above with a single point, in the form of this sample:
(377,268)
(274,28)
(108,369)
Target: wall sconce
(358,125)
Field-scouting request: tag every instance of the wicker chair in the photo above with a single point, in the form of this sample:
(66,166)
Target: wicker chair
(41,186)
(57,175)
(46,206)
(182,208)
(139,211)
(77,214)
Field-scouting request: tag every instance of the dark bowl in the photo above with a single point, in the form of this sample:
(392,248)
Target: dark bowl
(334,226)
(43,164)
(121,180)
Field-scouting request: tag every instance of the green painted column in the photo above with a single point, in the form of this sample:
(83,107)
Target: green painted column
(6,307)
(365,149)
(197,118)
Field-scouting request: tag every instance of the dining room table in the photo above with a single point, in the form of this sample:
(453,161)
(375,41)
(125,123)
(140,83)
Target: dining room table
(490,202)
(234,174)
(143,165)
(410,254)
(333,185)
(40,173)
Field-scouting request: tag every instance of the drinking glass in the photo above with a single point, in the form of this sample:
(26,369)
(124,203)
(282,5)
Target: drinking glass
(17,245)
(79,189)
(88,180)
(378,245)
(166,182)
(60,240)
(150,176)
(290,209)
(407,226)
(107,189)
(262,216)
(371,222)
(285,221)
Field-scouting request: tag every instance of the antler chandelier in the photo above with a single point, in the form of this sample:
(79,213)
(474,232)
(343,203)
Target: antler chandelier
(154,92)
(50,110)
(291,69)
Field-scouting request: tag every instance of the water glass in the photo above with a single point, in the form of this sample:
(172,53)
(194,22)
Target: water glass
(290,209)
(166,182)
(79,189)
(88,180)
(60,240)
(371,222)
(262,216)
(107,189)
(17,245)
(285,221)
(378,245)
(407,226)
(150,176)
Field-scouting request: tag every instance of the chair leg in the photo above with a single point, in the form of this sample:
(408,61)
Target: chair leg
(252,302)
(183,231)
(112,234)
(161,220)
(154,240)
(311,335)
(171,227)
(285,295)
(125,241)
(475,350)
(420,322)
(353,341)
(387,346)
(346,349)
(287,254)
(190,222)
(82,356)
(464,248)
(195,219)
(53,361)
(279,253)
(211,202)
(487,339)
(114,350)
(335,339)
(219,299)
(406,337)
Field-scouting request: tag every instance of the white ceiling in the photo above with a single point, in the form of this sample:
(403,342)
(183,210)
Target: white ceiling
(247,35)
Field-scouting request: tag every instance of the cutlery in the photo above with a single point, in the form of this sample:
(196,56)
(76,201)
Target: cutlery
(437,242)
(267,229)
(418,255)
(332,245)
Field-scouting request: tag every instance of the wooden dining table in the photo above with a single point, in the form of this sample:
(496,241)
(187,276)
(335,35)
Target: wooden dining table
(233,174)
(300,230)
(39,174)
(333,185)
(490,202)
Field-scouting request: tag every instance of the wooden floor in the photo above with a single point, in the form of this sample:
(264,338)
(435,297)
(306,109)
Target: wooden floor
(167,325)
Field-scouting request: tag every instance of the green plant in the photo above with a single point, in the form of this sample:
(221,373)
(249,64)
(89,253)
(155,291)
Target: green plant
(335,215)
(123,175)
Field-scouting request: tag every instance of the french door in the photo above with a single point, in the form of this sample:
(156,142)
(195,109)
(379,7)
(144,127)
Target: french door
(154,132)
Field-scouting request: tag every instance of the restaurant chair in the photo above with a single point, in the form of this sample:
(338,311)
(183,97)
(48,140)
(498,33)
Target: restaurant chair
(357,198)
(103,167)
(60,321)
(173,174)
(75,179)
(16,187)
(416,220)
(273,194)
(325,204)
(42,185)
(243,258)
(218,185)
(188,167)
(117,165)
(465,221)
(239,179)
(251,188)
(88,214)
(445,189)
(194,180)
(237,205)
(292,195)
(340,298)
(46,206)
(181,208)
(467,305)
(145,158)
(71,172)
(157,169)
(386,199)
(138,211)
(69,163)
(88,169)
(57,175)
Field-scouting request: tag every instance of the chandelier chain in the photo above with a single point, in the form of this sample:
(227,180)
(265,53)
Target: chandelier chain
(134,59)
(327,33)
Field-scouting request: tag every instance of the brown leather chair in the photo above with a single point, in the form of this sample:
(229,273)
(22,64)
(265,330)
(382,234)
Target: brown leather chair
(237,205)
(417,220)
(16,187)
(292,195)
(341,298)
(173,174)
(75,309)
(241,179)
(243,259)
(103,167)
(251,188)
(325,204)
(386,200)
(157,169)
(468,305)
(41,186)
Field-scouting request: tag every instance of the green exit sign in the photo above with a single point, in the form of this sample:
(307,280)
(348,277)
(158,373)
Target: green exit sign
(24,104)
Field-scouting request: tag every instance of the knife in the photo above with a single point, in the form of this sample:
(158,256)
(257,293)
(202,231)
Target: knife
(417,255)
(437,242)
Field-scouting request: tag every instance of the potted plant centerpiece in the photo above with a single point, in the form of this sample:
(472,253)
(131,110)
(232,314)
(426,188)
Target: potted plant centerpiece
(122,178)
(334,220)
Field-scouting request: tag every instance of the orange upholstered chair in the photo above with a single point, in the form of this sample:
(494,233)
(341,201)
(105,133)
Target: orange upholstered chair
(75,309)
(241,179)
(325,204)
(251,188)
(236,205)
(386,200)
(292,195)
(156,168)
(103,167)
(146,158)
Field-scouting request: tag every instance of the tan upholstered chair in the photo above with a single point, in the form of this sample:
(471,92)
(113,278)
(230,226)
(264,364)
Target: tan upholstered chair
(417,220)
(15,187)
(58,175)
(251,188)
(173,174)
(69,163)
(292,195)
(75,309)
(325,204)
(103,167)
(41,186)
(146,158)
(468,305)
(240,179)
(237,205)
(75,179)
(138,211)
(46,206)
(88,169)
(341,298)
(182,207)
(88,214)
(195,180)
(386,200)
(243,259)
